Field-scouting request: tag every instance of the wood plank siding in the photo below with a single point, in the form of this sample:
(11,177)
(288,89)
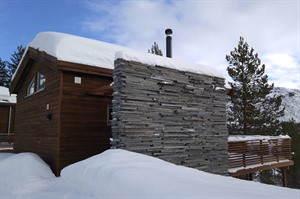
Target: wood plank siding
(33,131)
(84,126)
(63,123)
(7,117)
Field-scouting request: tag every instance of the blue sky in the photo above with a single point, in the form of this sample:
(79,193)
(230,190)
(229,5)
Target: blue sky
(203,31)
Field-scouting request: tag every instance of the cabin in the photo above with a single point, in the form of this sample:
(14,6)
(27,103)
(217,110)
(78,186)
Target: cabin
(77,97)
(7,115)
(63,104)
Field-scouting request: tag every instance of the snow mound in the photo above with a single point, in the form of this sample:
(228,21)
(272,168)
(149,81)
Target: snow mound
(5,155)
(119,174)
(23,173)
(122,174)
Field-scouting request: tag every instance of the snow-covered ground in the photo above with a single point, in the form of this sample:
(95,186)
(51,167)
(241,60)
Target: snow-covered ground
(117,173)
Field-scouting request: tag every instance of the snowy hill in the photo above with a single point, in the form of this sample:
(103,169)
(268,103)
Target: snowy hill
(118,174)
(291,102)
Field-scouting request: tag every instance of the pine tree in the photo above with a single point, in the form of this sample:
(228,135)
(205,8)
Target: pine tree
(293,174)
(252,109)
(4,74)
(15,60)
(155,50)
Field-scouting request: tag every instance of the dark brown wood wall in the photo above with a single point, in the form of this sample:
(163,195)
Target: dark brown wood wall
(84,129)
(7,121)
(33,132)
(4,119)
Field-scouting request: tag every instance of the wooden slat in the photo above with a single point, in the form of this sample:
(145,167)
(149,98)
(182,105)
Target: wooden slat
(255,155)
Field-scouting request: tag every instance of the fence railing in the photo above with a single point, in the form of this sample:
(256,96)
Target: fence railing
(250,152)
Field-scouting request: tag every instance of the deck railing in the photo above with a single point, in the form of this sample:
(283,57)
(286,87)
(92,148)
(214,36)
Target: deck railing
(248,154)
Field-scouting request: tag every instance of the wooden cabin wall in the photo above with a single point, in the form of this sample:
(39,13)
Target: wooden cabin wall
(7,121)
(4,119)
(177,116)
(84,129)
(33,131)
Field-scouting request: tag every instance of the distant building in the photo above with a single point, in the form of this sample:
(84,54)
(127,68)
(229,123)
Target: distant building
(7,115)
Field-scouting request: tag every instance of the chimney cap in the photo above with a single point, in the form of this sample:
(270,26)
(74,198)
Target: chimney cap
(168,31)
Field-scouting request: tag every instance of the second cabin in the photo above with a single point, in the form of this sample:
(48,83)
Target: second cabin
(77,97)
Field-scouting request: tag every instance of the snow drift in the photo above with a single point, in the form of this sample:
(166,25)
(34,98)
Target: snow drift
(23,173)
(122,174)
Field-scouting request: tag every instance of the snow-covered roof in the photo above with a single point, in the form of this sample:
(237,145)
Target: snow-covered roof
(71,48)
(238,138)
(5,97)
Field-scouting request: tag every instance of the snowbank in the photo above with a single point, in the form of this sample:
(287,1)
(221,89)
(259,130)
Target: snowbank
(22,174)
(119,174)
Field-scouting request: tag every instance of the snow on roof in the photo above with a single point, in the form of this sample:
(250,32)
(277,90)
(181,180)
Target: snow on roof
(5,97)
(153,60)
(238,138)
(91,52)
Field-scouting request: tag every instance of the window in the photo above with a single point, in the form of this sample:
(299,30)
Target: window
(41,80)
(30,89)
(36,84)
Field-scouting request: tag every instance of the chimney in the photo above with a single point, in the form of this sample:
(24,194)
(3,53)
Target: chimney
(169,42)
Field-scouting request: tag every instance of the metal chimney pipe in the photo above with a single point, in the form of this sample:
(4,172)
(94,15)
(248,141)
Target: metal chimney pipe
(169,42)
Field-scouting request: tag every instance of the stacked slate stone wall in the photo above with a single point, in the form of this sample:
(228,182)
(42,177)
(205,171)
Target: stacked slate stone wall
(173,115)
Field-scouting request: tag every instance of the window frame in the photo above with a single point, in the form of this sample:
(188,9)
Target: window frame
(40,86)
(31,86)
(35,85)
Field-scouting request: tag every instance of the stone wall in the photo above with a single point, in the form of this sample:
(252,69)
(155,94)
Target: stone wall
(173,115)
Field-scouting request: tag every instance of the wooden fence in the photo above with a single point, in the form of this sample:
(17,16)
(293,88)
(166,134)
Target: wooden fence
(249,156)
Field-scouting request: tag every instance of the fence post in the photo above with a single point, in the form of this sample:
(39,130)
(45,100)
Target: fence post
(261,153)
(283,173)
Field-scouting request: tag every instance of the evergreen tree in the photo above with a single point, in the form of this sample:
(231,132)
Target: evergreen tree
(4,74)
(293,174)
(15,59)
(155,50)
(252,109)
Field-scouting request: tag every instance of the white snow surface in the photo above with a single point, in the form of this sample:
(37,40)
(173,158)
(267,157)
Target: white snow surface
(71,48)
(154,60)
(119,174)
(5,96)
(238,138)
